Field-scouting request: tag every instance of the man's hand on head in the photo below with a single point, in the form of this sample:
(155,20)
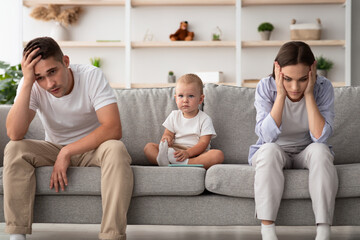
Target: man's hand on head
(28,63)
(58,176)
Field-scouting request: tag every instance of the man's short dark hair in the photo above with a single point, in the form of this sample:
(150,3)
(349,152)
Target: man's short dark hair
(48,48)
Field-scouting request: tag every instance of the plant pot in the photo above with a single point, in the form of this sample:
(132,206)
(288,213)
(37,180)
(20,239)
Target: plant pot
(59,32)
(265,35)
(321,72)
(171,79)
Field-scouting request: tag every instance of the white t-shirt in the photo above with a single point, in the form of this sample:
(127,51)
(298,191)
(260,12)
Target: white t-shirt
(189,130)
(73,116)
(294,126)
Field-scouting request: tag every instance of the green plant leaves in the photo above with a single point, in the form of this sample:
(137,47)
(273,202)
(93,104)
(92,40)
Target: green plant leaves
(9,81)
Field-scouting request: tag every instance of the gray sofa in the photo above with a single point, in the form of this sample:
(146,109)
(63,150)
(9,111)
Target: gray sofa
(222,195)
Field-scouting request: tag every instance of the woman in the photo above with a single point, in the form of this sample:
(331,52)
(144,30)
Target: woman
(295,115)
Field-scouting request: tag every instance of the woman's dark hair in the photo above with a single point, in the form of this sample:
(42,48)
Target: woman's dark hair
(48,48)
(292,53)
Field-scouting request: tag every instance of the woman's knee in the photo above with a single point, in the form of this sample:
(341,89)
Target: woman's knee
(320,154)
(270,154)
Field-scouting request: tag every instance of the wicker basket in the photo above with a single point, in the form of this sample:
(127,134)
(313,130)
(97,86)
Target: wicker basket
(306,31)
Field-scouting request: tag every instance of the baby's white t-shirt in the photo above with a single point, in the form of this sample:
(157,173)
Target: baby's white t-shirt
(73,116)
(189,130)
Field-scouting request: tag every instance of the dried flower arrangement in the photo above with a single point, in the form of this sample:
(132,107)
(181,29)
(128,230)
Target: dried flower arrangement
(53,12)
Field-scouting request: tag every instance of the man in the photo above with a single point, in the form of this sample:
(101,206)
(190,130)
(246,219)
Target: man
(82,128)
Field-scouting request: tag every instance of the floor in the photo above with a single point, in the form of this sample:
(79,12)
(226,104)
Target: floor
(149,232)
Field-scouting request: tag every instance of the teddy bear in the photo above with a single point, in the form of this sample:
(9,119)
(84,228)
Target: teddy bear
(182,33)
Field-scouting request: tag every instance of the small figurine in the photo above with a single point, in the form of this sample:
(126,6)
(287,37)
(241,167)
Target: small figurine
(182,33)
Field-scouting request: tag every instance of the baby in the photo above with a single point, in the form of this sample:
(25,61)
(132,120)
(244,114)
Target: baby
(188,131)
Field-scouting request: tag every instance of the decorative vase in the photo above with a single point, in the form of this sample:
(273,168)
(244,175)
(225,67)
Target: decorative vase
(265,35)
(171,79)
(321,72)
(59,32)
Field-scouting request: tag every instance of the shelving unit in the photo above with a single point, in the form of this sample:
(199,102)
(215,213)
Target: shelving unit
(238,44)
(346,43)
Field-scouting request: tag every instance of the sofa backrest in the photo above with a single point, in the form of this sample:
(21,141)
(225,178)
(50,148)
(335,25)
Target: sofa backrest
(142,112)
(346,133)
(233,114)
(232,110)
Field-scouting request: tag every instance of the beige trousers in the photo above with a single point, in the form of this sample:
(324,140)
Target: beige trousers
(269,162)
(22,157)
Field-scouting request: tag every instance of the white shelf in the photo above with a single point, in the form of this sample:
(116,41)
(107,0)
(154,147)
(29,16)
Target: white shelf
(289,2)
(182,2)
(190,44)
(87,44)
(182,44)
(31,3)
(279,43)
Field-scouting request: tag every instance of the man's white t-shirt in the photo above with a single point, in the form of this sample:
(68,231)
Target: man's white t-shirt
(189,130)
(73,116)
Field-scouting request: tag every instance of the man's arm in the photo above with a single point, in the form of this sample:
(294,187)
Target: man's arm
(110,128)
(20,115)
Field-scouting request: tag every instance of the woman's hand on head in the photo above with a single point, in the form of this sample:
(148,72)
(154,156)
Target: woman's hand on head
(279,79)
(312,79)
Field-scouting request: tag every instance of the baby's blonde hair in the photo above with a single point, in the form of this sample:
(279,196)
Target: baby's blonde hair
(191,78)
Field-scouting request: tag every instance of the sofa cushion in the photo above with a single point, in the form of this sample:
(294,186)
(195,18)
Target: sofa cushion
(346,137)
(148,181)
(142,113)
(238,181)
(233,114)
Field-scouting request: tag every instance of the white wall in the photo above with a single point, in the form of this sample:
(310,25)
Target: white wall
(152,65)
(10,39)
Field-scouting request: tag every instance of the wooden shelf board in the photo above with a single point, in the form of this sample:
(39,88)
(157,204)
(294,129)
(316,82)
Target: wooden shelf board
(278,43)
(30,3)
(79,44)
(182,2)
(289,2)
(183,44)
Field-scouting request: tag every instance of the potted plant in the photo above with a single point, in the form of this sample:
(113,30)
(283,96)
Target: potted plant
(265,30)
(9,81)
(216,36)
(323,65)
(95,61)
(171,77)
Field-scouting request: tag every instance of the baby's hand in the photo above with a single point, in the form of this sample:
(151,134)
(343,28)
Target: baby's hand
(168,139)
(181,155)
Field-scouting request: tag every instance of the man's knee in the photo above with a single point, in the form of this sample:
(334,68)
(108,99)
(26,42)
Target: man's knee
(115,152)
(14,148)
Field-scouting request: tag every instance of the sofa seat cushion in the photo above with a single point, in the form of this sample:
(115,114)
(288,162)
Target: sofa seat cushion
(237,180)
(148,181)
